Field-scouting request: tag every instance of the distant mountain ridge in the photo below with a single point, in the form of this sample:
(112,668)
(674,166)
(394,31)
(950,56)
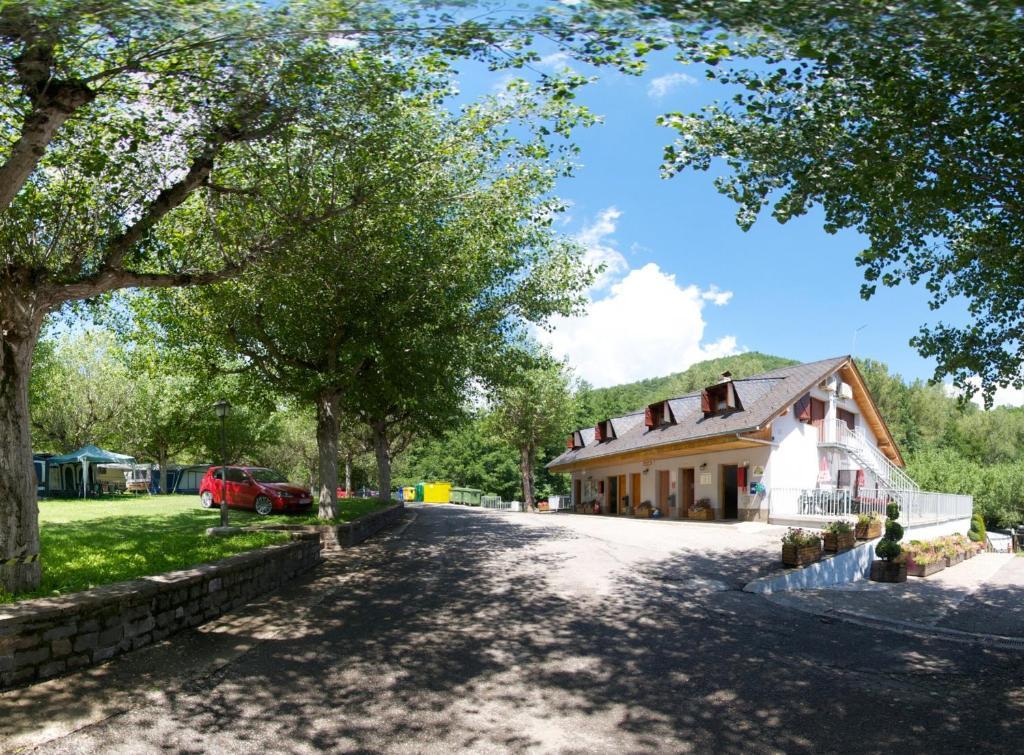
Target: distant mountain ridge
(596,404)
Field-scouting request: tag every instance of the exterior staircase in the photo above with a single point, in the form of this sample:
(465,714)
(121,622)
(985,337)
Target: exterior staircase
(891,480)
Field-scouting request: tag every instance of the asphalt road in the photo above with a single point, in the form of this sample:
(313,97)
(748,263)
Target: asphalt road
(477,631)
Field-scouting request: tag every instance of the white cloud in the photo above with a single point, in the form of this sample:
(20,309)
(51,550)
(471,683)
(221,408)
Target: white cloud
(648,325)
(558,59)
(716,296)
(662,85)
(1007,396)
(600,249)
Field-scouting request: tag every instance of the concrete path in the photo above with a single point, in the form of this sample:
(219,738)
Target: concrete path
(984,594)
(480,632)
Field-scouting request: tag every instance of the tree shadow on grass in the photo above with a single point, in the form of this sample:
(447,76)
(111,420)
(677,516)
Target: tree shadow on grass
(456,642)
(86,553)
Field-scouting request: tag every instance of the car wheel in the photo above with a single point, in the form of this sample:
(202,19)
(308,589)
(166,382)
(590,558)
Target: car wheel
(263,505)
(206,500)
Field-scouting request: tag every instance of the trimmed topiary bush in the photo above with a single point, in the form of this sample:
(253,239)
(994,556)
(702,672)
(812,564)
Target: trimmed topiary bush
(888,548)
(977,531)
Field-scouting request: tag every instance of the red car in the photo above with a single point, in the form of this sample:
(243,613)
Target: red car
(257,488)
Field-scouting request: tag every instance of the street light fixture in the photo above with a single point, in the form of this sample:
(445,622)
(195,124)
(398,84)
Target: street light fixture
(223,409)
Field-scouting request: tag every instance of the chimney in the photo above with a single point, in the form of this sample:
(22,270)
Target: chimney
(726,376)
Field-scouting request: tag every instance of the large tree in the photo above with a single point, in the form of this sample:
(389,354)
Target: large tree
(902,121)
(386,312)
(532,409)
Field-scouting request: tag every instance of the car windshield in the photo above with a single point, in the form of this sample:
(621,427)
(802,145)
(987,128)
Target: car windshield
(266,475)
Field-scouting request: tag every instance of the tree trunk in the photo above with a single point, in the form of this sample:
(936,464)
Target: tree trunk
(383,453)
(348,474)
(327,428)
(527,458)
(162,461)
(19,514)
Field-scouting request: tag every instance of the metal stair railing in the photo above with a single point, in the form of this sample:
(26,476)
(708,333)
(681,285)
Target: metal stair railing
(888,474)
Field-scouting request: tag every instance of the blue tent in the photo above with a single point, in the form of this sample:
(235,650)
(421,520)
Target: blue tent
(85,456)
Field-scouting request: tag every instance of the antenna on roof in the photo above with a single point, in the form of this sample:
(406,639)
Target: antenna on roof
(853,345)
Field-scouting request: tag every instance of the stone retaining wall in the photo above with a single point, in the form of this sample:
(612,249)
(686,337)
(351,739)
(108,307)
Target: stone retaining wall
(336,537)
(49,636)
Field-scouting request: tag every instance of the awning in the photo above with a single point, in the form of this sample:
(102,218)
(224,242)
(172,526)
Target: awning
(93,455)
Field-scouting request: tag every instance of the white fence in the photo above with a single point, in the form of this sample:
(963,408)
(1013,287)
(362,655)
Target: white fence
(916,506)
(494,502)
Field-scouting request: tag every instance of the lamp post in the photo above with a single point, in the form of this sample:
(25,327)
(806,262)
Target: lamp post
(223,409)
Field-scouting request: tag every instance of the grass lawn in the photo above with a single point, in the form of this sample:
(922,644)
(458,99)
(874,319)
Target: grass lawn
(96,542)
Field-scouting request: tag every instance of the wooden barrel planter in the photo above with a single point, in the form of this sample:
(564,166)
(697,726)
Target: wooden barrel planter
(839,542)
(803,555)
(888,571)
(868,531)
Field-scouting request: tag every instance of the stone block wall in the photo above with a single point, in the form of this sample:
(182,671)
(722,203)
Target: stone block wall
(336,537)
(50,636)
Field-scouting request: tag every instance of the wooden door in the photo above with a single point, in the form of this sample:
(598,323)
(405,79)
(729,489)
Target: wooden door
(577,493)
(818,416)
(634,490)
(687,492)
(612,496)
(730,493)
(624,508)
(663,476)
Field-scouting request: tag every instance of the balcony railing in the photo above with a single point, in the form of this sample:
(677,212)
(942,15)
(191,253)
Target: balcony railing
(916,506)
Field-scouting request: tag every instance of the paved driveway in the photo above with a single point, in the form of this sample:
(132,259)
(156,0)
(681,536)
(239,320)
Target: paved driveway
(482,632)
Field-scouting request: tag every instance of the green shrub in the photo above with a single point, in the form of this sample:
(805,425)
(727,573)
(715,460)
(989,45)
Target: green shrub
(888,547)
(977,531)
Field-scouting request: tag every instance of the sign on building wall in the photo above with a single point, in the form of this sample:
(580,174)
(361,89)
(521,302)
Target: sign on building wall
(705,478)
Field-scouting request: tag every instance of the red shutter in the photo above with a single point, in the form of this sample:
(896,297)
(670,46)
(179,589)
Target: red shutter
(817,410)
(599,432)
(648,417)
(802,408)
(571,443)
(741,478)
(705,402)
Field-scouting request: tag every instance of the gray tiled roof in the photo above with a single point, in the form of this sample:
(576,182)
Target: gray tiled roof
(761,396)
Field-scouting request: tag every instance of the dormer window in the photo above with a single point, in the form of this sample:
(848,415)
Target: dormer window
(720,398)
(658,414)
(604,430)
(575,442)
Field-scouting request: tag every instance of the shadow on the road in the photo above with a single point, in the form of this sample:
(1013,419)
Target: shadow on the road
(457,641)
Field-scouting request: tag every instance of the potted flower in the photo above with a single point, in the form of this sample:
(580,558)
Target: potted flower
(800,547)
(869,526)
(892,566)
(924,562)
(701,509)
(839,536)
(951,552)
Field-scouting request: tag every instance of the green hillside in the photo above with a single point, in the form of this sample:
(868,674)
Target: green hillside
(596,404)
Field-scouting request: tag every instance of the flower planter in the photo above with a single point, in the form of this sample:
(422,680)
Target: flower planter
(887,571)
(702,515)
(868,531)
(839,542)
(922,570)
(803,555)
(954,560)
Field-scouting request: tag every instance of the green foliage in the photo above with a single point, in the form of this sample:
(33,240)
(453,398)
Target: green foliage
(977,531)
(881,114)
(801,538)
(888,547)
(838,527)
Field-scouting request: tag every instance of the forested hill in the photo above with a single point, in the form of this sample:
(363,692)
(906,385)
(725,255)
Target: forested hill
(596,404)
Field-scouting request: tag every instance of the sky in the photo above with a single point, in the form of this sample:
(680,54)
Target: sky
(683,282)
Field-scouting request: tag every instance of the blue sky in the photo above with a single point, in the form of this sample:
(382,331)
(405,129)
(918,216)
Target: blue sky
(677,254)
